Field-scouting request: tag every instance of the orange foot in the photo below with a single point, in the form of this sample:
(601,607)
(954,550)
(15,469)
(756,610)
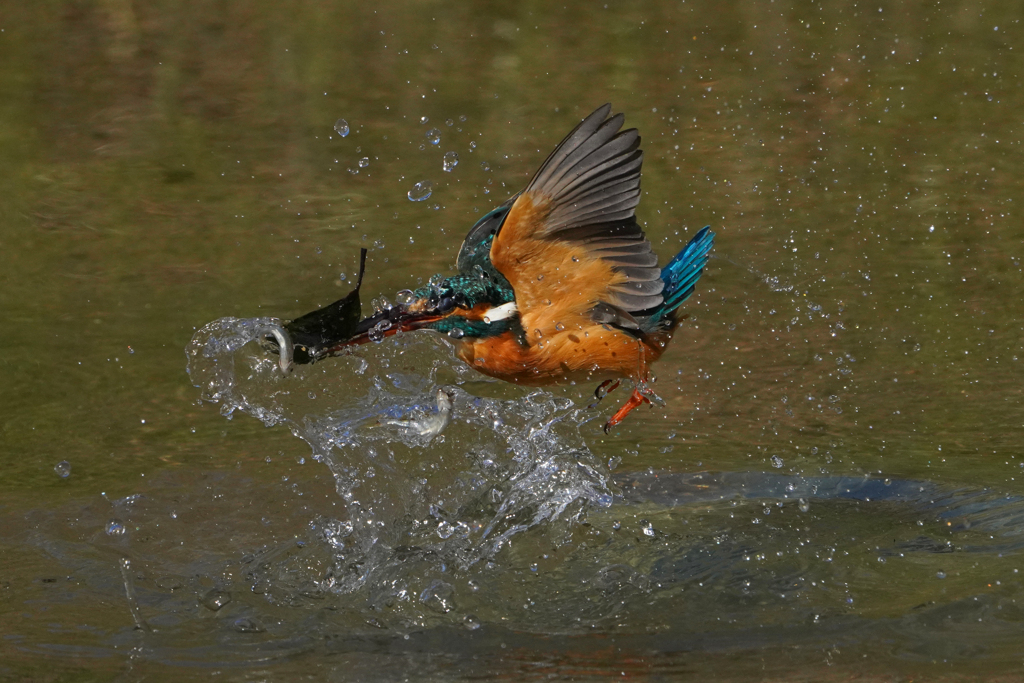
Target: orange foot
(636,399)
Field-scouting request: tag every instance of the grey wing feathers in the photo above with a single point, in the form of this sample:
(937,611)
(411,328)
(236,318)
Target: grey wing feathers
(593,182)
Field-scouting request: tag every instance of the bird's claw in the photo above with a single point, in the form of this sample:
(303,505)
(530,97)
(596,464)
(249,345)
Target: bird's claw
(648,393)
(603,389)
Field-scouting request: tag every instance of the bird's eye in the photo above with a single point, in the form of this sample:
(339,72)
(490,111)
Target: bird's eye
(446,304)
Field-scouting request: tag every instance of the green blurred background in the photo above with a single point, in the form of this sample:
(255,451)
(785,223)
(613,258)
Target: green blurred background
(165,164)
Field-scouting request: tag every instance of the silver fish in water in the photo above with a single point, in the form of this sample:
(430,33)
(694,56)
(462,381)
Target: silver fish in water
(430,424)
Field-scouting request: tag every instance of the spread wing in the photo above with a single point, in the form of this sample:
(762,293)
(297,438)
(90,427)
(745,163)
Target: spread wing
(570,245)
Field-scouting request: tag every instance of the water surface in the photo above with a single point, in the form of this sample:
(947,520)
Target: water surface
(831,490)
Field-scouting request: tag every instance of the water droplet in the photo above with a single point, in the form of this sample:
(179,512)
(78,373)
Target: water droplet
(342,276)
(559,327)
(405,297)
(647,528)
(438,596)
(376,333)
(804,505)
(471,622)
(776,462)
(249,625)
(940,575)
(449,122)
(456,333)
(420,191)
(616,525)
(364,162)
(63,469)
(472,145)
(215,599)
(451,160)
(434,136)
(115,527)
(614,461)
(485,166)
(341,127)
(423,119)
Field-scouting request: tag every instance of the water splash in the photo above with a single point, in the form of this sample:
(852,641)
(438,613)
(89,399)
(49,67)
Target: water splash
(212,365)
(431,476)
(776,284)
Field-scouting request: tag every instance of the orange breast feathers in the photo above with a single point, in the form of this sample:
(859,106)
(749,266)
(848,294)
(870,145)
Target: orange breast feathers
(595,353)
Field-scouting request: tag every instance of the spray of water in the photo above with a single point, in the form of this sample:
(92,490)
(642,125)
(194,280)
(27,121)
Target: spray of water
(432,477)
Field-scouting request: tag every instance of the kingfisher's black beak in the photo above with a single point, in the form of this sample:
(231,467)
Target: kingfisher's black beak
(411,314)
(398,318)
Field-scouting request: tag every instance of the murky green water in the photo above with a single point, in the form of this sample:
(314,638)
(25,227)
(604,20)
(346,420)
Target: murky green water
(834,490)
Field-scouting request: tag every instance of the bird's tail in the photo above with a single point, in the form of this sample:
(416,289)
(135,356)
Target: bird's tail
(682,273)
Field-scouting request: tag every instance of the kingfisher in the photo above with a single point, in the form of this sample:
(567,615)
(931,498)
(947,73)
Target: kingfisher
(557,285)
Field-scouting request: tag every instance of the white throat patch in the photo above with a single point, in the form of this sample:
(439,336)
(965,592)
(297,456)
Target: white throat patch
(500,312)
